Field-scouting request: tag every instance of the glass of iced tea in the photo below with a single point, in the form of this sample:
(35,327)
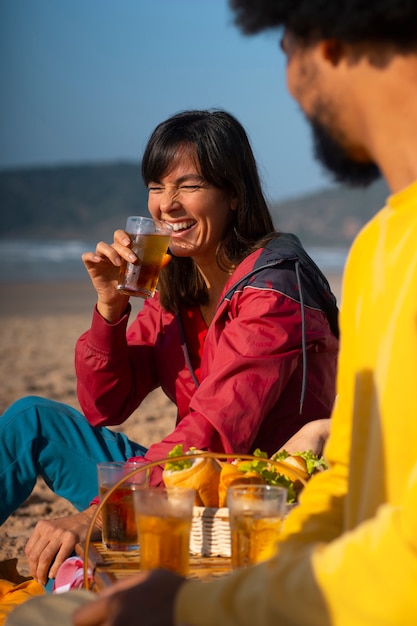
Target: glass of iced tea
(149,241)
(164,517)
(255,515)
(119,530)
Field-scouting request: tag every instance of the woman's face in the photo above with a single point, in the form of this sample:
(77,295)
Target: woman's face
(199,213)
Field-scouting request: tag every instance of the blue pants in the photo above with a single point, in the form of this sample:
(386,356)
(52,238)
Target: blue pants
(40,437)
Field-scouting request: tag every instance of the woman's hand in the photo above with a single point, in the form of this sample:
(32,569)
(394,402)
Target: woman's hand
(311,436)
(103,268)
(147,598)
(52,541)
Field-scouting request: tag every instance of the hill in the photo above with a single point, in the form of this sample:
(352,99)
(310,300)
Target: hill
(90,201)
(77,201)
(331,217)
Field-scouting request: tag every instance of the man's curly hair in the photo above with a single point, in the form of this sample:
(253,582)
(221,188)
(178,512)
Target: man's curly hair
(388,22)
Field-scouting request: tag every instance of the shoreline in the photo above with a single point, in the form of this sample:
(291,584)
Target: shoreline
(39,299)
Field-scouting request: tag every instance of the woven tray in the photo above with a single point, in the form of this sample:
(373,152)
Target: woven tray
(210,532)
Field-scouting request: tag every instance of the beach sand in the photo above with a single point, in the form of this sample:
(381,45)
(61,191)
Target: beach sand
(40,324)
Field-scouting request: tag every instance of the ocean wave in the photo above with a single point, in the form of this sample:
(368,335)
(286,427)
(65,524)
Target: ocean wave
(329,259)
(42,260)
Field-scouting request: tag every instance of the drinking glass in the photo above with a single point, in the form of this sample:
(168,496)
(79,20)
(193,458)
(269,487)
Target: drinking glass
(119,530)
(164,517)
(149,241)
(255,516)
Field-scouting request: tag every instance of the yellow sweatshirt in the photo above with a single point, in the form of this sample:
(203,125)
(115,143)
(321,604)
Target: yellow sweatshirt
(348,554)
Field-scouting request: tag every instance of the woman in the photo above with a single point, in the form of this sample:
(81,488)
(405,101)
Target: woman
(242,335)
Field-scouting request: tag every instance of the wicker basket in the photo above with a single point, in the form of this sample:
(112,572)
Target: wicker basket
(210,532)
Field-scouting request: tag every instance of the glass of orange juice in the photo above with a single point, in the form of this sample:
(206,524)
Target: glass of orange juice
(164,517)
(255,515)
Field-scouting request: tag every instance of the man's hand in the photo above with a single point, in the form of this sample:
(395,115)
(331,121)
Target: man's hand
(146,599)
(312,436)
(52,541)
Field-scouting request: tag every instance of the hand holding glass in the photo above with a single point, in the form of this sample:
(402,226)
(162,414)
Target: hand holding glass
(255,514)
(149,241)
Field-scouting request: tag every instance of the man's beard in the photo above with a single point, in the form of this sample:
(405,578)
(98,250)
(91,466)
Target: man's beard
(333,156)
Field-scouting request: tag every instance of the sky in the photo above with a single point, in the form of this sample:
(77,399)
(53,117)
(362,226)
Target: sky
(86,81)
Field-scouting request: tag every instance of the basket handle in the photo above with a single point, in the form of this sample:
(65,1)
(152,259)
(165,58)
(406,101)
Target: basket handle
(147,466)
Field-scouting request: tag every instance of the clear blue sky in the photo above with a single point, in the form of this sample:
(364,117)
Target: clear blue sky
(87,81)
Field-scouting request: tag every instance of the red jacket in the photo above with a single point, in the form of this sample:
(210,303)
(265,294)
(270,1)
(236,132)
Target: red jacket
(267,367)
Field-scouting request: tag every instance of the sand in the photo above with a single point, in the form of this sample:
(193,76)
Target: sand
(40,324)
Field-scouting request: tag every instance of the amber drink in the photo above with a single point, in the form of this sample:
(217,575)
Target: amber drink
(164,519)
(119,529)
(255,514)
(149,241)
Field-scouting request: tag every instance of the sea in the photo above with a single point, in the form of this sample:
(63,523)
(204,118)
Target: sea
(49,260)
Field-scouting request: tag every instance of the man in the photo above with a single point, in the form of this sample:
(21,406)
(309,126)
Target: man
(348,554)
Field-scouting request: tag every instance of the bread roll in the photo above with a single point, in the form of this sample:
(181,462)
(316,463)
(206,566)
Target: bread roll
(299,464)
(232,475)
(203,476)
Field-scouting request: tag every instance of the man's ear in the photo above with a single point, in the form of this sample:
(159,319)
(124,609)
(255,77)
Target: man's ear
(332,50)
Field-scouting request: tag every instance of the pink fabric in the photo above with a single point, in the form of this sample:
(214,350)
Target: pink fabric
(71,575)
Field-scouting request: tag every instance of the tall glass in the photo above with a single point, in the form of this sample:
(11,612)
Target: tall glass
(164,517)
(119,530)
(255,515)
(149,241)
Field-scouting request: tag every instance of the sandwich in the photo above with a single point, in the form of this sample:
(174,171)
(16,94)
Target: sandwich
(235,474)
(211,478)
(197,473)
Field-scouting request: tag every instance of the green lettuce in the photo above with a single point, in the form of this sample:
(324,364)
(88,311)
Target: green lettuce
(270,475)
(313,462)
(176,466)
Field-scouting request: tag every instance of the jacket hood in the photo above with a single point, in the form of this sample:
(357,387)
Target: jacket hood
(285,249)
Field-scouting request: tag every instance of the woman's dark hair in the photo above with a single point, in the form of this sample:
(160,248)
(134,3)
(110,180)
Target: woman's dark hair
(224,158)
(391,22)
